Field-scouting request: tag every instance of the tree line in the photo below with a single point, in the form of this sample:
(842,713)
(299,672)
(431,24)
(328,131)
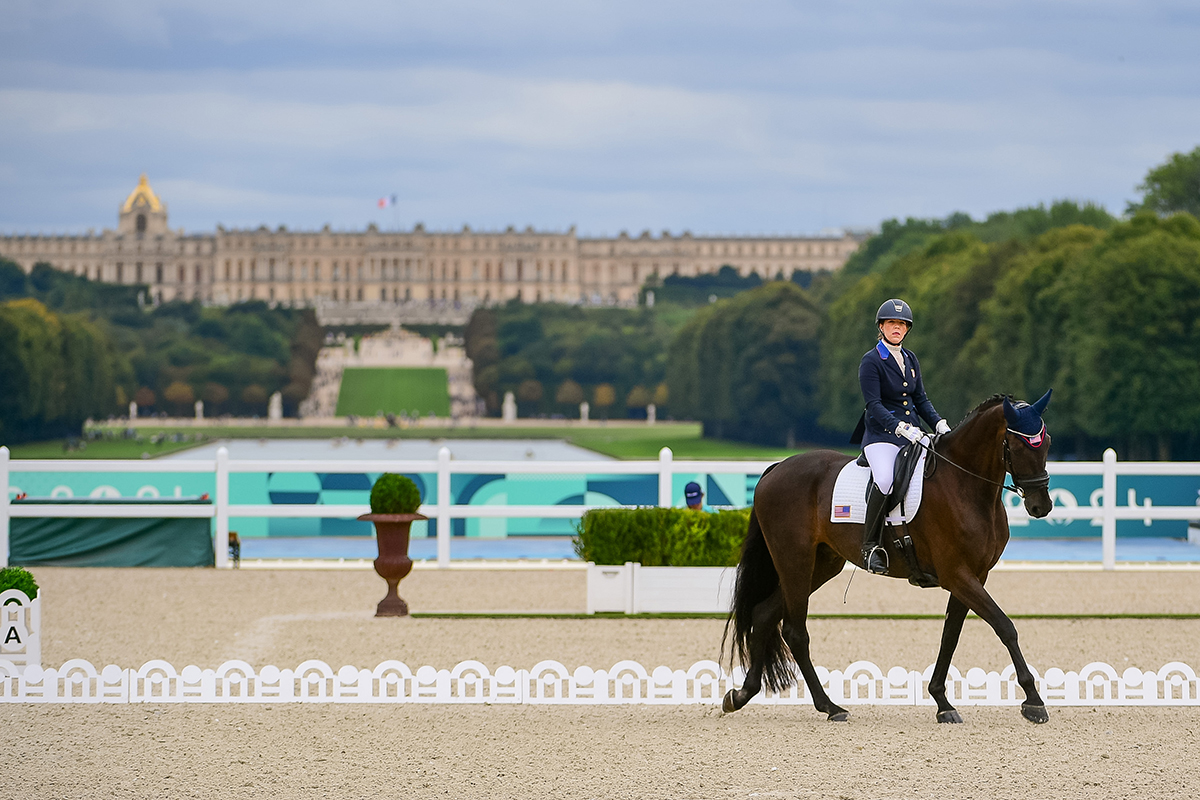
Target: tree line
(72,348)
(1105,311)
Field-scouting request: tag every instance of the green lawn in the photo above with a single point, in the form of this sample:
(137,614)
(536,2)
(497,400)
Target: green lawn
(619,441)
(104,448)
(368,390)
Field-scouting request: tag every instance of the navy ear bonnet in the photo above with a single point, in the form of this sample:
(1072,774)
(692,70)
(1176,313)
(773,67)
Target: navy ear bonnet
(1026,419)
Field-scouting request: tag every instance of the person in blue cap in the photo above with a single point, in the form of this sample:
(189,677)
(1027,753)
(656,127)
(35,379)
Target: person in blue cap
(693,495)
(890,378)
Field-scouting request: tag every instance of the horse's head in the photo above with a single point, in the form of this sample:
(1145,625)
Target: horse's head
(1026,445)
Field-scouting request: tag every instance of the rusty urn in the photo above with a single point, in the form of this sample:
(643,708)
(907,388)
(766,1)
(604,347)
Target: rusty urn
(394,503)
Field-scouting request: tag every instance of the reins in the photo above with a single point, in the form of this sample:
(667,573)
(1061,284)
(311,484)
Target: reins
(1018,484)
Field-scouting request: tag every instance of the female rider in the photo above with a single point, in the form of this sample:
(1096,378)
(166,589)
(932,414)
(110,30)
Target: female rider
(890,377)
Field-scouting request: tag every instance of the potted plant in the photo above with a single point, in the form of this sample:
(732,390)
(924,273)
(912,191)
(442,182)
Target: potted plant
(394,503)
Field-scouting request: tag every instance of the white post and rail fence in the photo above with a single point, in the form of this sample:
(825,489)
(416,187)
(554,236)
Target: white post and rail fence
(1103,508)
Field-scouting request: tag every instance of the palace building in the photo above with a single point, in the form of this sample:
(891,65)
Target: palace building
(372,268)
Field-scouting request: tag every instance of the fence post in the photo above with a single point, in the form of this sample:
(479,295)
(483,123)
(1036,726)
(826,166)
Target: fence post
(1108,528)
(665,475)
(443,508)
(4,507)
(221,492)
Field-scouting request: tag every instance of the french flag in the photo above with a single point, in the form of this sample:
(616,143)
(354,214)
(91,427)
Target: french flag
(384,202)
(841,512)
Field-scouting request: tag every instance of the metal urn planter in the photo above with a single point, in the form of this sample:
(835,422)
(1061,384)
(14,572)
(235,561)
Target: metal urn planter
(392,534)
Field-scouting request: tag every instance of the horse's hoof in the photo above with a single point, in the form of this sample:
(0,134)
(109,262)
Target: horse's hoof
(949,715)
(1035,714)
(841,715)
(727,705)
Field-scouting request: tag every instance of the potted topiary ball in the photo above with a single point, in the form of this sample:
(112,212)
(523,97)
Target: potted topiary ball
(394,503)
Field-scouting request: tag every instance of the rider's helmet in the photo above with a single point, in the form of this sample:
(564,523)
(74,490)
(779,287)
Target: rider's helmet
(894,309)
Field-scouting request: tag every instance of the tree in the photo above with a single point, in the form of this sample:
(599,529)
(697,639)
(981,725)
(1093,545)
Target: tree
(1172,186)
(529,391)
(180,395)
(638,397)
(745,366)
(569,393)
(661,395)
(214,393)
(254,396)
(145,397)
(604,396)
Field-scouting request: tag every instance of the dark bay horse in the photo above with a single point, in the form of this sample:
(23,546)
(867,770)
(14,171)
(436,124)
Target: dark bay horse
(792,548)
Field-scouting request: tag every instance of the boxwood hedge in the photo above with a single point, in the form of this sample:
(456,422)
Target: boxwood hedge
(662,537)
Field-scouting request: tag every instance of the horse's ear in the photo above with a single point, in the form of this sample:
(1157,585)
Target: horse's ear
(1010,413)
(1040,405)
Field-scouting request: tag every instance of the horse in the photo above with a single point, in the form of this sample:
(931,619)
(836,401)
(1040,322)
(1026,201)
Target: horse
(792,548)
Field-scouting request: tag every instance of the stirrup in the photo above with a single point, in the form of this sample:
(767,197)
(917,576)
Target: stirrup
(869,557)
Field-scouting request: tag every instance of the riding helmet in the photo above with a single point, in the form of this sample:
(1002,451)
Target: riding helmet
(894,309)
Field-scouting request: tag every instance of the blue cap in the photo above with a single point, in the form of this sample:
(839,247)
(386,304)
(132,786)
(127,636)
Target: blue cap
(692,493)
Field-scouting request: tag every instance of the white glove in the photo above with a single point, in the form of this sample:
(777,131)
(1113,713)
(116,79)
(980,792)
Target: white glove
(910,432)
(942,427)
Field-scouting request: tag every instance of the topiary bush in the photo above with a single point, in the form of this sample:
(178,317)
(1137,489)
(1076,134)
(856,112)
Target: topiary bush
(662,537)
(18,578)
(394,494)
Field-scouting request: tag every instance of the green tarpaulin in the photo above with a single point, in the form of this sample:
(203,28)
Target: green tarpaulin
(71,542)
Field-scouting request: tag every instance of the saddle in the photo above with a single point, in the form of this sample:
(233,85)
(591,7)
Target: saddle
(906,464)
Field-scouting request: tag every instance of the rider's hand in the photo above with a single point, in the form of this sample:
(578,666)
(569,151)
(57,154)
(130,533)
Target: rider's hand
(942,427)
(910,432)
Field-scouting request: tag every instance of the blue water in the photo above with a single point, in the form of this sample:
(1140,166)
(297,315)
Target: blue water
(559,547)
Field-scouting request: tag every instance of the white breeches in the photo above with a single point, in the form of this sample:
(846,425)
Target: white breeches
(882,458)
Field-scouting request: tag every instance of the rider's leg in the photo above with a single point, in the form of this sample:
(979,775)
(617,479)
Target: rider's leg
(882,458)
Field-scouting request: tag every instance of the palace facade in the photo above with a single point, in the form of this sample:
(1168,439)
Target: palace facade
(374,267)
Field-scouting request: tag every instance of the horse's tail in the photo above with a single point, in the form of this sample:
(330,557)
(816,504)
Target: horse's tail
(756,581)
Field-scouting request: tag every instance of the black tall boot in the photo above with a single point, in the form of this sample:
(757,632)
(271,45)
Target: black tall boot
(874,556)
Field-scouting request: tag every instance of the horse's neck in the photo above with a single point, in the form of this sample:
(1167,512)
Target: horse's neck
(977,444)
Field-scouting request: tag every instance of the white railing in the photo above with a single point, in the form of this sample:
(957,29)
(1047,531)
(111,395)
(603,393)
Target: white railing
(1107,512)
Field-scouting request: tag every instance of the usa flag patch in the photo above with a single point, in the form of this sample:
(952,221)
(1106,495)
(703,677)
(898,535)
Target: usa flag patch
(841,512)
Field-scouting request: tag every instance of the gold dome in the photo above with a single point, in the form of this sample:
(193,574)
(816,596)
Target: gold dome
(142,197)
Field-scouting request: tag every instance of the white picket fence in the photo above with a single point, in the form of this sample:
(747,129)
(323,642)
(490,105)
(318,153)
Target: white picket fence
(1107,512)
(549,682)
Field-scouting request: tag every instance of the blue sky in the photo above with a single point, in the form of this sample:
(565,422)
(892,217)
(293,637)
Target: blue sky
(751,117)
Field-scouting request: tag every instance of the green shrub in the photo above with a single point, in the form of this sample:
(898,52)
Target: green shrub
(662,537)
(394,494)
(18,578)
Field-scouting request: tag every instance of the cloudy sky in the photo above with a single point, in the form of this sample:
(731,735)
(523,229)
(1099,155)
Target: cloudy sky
(714,117)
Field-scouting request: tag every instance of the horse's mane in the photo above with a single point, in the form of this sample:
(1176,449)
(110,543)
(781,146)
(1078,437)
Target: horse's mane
(991,402)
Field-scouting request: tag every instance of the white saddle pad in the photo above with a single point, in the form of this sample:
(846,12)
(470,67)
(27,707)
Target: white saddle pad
(850,492)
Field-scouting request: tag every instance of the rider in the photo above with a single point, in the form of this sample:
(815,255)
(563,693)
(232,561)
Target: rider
(890,377)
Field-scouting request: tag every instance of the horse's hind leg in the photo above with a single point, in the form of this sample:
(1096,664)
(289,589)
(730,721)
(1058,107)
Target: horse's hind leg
(971,592)
(795,633)
(956,612)
(766,617)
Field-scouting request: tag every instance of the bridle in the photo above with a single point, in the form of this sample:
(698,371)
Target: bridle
(1019,485)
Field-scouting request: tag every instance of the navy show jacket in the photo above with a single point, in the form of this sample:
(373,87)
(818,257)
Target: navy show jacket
(892,396)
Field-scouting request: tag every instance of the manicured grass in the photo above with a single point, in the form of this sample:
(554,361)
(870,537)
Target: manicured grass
(102,448)
(368,390)
(619,440)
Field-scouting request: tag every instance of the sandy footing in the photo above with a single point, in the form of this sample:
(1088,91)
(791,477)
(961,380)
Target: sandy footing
(205,617)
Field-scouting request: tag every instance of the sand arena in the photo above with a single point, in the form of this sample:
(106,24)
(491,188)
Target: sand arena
(282,617)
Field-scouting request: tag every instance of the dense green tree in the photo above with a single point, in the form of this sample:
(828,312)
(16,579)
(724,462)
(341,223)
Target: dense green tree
(1172,186)
(745,366)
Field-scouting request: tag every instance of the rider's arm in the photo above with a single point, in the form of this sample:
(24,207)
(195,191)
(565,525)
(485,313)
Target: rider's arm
(868,380)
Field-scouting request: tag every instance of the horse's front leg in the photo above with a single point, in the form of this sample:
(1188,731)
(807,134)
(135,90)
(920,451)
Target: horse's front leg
(971,592)
(956,612)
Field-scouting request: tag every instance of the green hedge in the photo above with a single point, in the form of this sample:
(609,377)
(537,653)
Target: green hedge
(18,578)
(662,537)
